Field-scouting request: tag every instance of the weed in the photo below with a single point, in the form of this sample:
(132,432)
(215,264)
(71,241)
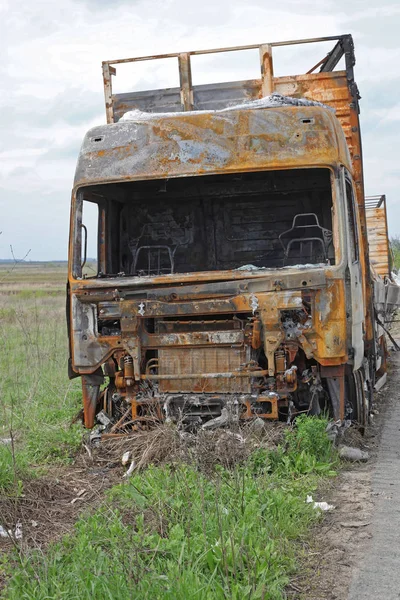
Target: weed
(13,468)
(309,435)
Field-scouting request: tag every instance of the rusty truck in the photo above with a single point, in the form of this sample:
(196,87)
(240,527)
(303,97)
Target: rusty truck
(232,279)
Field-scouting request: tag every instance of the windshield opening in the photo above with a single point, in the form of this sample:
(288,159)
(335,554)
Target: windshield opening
(267,219)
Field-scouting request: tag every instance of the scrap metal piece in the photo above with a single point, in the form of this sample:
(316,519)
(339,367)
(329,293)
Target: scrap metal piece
(220,421)
(103,418)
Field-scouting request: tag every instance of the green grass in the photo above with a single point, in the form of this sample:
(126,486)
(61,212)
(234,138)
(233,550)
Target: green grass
(37,401)
(13,469)
(395,248)
(173,533)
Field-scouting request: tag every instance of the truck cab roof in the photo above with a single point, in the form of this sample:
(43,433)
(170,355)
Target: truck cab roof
(245,138)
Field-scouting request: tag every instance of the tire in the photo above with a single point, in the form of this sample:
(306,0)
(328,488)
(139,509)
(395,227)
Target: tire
(357,398)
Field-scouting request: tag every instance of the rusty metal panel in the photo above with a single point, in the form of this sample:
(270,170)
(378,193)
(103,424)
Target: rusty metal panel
(198,338)
(330,88)
(223,95)
(151,101)
(179,361)
(205,97)
(378,240)
(169,100)
(201,286)
(211,143)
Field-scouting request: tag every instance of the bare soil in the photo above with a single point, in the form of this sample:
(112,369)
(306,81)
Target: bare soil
(51,504)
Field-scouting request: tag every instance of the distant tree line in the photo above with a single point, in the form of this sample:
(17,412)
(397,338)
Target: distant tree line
(395,246)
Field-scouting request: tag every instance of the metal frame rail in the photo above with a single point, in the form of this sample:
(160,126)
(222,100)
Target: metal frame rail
(343,47)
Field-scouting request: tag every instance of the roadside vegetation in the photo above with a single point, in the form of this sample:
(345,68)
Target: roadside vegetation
(37,401)
(178,531)
(395,246)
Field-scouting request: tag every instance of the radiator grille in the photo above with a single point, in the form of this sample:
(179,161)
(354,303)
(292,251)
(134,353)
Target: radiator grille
(179,361)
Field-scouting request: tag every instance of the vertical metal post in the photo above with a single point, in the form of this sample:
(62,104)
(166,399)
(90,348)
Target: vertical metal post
(108,71)
(342,397)
(102,241)
(389,256)
(185,79)
(267,70)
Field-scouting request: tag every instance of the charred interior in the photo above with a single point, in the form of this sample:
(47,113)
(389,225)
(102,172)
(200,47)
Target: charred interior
(264,219)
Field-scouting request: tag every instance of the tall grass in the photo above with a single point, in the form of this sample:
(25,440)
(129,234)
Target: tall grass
(37,401)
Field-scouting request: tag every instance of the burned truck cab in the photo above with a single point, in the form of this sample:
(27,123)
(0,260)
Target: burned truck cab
(229,277)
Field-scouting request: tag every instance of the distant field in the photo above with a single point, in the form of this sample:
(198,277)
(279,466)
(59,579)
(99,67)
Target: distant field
(48,276)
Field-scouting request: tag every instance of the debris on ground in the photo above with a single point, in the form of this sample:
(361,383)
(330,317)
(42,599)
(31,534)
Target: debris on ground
(45,511)
(125,458)
(355,524)
(353,454)
(166,443)
(321,505)
(336,430)
(51,503)
(354,438)
(14,534)
(132,467)
(79,495)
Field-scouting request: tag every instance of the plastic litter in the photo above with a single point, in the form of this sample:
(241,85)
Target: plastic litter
(9,533)
(125,457)
(129,472)
(321,505)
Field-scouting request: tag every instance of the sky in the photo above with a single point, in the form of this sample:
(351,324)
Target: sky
(52,91)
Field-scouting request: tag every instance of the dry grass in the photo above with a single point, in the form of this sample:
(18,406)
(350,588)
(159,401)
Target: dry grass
(32,277)
(51,504)
(165,443)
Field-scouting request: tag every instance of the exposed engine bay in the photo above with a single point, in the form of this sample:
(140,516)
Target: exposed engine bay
(210,371)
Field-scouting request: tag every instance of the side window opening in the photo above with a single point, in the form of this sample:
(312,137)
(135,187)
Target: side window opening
(89,259)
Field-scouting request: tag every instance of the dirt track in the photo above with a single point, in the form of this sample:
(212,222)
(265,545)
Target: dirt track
(378,573)
(356,551)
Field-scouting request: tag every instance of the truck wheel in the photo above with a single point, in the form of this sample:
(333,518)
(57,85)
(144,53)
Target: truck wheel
(357,398)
